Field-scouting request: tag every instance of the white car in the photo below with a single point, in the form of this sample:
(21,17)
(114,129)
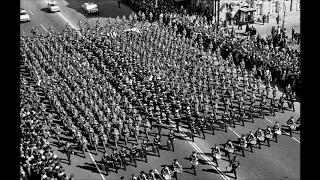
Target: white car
(24,16)
(90,8)
(53,6)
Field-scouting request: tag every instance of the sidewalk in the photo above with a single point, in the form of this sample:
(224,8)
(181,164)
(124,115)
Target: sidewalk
(292,19)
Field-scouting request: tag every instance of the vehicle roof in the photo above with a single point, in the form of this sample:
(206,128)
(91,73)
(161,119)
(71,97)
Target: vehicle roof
(89,3)
(53,2)
(22,10)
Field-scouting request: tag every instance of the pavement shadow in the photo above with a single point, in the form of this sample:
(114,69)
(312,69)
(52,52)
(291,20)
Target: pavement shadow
(210,170)
(90,167)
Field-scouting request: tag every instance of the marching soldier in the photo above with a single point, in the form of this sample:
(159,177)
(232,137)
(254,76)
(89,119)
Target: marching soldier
(144,149)
(136,131)
(194,162)
(250,113)
(151,175)
(211,119)
(96,142)
(260,136)
(234,164)
(241,114)
(201,124)
(292,125)
(171,138)
(177,120)
(68,150)
(274,92)
(268,134)
(276,130)
(192,129)
(224,120)
(147,127)
(114,158)
(133,154)
(216,154)
(156,144)
(281,101)
(292,100)
(126,134)
(252,140)
(106,160)
(159,123)
(83,145)
(123,154)
(166,173)
(177,168)
(133,177)
(272,106)
(57,133)
(243,143)
(116,137)
(262,107)
(229,148)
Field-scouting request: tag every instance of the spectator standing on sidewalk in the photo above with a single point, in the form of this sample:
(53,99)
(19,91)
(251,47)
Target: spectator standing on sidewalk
(263,19)
(278,19)
(268,16)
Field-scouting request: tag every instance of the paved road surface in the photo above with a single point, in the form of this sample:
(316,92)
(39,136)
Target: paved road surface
(280,161)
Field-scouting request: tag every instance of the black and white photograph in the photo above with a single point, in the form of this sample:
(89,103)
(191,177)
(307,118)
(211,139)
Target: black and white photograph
(160,90)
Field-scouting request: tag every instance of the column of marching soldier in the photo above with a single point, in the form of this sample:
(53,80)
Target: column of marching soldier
(156,99)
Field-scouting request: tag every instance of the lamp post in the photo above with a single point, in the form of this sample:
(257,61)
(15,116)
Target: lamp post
(284,14)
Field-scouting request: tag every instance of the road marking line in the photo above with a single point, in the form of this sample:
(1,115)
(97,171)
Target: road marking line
(43,27)
(30,12)
(65,19)
(204,156)
(234,132)
(201,153)
(96,166)
(284,131)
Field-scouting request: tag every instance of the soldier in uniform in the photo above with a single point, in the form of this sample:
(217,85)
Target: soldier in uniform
(250,113)
(258,134)
(144,149)
(262,107)
(177,120)
(292,100)
(147,127)
(133,154)
(251,139)
(151,175)
(228,145)
(115,158)
(216,153)
(123,154)
(281,101)
(57,133)
(276,130)
(133,177)
(268,134)
(272,106)
(156,144)
(171,138)
(192,129)
(225,120)
(194,161)
(68,150)
(159,123)
(176,168)
(243,143)
(234,164)
(83,143)
(125,134)
(201,124)
(106,160)
(96,142)
(211,119)
(136,131)
(291,125)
